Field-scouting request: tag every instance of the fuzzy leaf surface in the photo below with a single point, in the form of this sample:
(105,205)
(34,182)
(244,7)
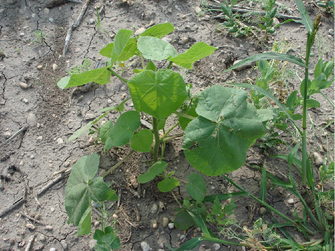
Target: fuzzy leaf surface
(155,49)
(216,142)
(195,53)
(81,189)
(157,93)
(121,132)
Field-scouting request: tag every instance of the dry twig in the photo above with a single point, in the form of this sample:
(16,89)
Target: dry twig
(54,181)
(31,218)
(30,243)
(14,205)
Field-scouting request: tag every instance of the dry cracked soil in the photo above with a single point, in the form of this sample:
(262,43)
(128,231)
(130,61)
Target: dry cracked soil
(37,117)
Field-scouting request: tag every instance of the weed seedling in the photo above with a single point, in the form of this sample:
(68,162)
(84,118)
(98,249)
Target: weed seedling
(40,36)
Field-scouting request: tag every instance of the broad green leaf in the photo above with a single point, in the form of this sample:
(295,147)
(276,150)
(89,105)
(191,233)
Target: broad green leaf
(195,53)
(99,76)
(106,240)
(216,142)
(81,188)
(306,20)
(312,103)
(159,30)
(120,42)
(184,121)
(328,68)
(107,50)
(129,50)
(105,131)
(150,66)
(63,82)
(266,56)
(158,94)
(155,49)
(122,131)
(80,132)
(196,188)
(167,184)
(154,170)
(318,68)
(142,141)
(183,220)
(265,114)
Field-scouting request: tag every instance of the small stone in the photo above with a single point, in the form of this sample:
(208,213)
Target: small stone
(37,217)
(91,140)
(91,21)
(92,243)
(52,249)
(165,221)
(31,119)
(64,244)
(24,100)
(30,226)
(290,201)
(331,32)
(317,159)
(22,34)
(182,237)
(154,208)
(48,228)
(197,10)
(89,117)
(161,206)
(21,163)
(23,85)
(7,134)
(145,246)
(46,11)
(183,40)
(123,88)
(59,141)
(262,210)
(40,67)
(124,95)
(154,224)
(54,67)
(216,246)
(171,225)
(139,31)
(39,138)
(51,20)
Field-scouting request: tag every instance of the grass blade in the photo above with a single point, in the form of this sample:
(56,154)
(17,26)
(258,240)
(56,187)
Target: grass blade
(263,184)
(225,196)
(306,20)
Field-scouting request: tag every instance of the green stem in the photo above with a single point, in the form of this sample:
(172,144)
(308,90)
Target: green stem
(117,75)
(327,99)
(168,131)
(184,115)
(170,64)
(156,134)
(117,164)
(168,138)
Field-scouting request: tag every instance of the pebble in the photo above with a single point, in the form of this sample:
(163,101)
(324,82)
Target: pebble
(48,228)
(24,100)
(64,244)
(171,225)
(262,210)
(165,221)
(59,141)
(51,20)
(31,119)
(30,226)
(52,249)
(37,217)
(39,138)
(182,237)
(216,246)
(139,31)
(92,243)
(23,85)
(145,246)
(46,11)
(54,67)
(331,32)
(124,95)
(161,206)
(290,201)
(40,67)
(91,21)
(154,208)
(21,34)
(317,159)
(183,40)
(89,117)
(7,134)
(154,224)
(197,10)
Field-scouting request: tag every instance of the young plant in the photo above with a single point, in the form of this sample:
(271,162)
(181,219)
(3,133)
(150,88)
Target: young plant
(40,36)
(271,10)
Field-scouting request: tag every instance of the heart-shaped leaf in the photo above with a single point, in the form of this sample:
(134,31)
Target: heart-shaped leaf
(142,141)
(159,30)
(216,142)
(106,240)
(157,93)
(167,184)
(196,188)
(155,49)
(154,170)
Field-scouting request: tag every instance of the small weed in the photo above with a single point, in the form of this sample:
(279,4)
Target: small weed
(40,37)
(85,66)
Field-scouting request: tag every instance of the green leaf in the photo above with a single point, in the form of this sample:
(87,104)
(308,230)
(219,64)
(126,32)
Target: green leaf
(266,56)
(120,42)
(122,131)
(107,50)
(167,184)
(306,20)
(63,82)
(154,170)
(155,49)
(196,188)
(159,30)
(318,68)
(191,244)
(129,50)
(312,103)
(226,9)
(99,76)
(150,66)
(216,142)
(183,220)
(104,131)
(81,188)
(195,53)
(142,141)
(80,132)
(106,240)
(158,94)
